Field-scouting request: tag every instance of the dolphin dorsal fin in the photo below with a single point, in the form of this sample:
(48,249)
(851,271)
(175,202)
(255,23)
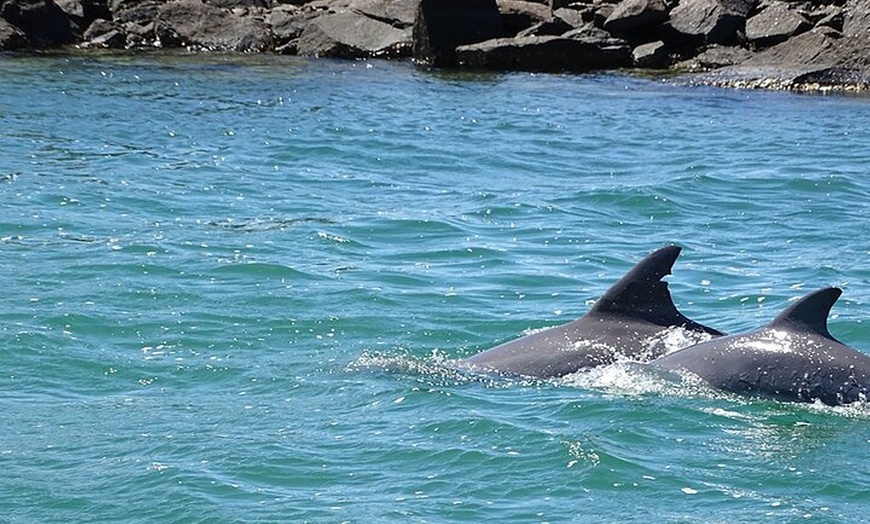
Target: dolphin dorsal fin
(810,313)
(641,291)
(642,294)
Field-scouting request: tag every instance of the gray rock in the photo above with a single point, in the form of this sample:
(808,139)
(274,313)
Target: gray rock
(553,27)
(715,57)
(99,27)
(652,55)
(162,34)
(11,37)
(544,53)
(286,23)
(601,13)
(710,21)
(819,58)
(857,20)
(42,21)
(146,36)
(814,48)
(828,16)
(232,4)
(140,13)
(104,34)
(591,32)
(324,7)
(518,15)
(774,24)
(353,35)
(210,28)
(574,17)
(442,25)
(631,15)
(75,9)
(84,12)
(397,13)
(114,39)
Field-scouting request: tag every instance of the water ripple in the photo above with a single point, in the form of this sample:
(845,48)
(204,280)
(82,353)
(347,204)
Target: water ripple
(233,286)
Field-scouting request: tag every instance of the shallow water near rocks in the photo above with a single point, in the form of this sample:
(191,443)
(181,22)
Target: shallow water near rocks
(231,285)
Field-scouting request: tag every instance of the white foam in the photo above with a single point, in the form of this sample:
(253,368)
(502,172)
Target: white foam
(675,338)
(621,379)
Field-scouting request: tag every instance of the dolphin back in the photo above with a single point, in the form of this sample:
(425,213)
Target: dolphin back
(810,366)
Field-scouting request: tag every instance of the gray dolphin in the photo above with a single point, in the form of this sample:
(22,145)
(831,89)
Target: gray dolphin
(635,319)
(793,358)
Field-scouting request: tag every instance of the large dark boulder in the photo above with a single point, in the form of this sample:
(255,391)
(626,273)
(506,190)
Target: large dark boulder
(442,25)
(818,58)
(710,21)
(817,49)
(653,55)
(776,23)
(813,49)
(42,21)
(545,54)
(204,26)
(353,35)
(633,15)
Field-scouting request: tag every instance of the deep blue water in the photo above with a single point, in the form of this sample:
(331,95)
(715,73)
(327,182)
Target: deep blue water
(230,284)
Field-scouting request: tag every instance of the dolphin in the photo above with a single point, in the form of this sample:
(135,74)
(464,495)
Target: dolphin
(635,319)
(794,358)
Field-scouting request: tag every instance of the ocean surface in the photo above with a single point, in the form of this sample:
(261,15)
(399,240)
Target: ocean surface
(232,286)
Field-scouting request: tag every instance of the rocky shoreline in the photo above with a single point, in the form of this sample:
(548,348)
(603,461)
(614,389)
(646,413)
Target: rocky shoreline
(811,45)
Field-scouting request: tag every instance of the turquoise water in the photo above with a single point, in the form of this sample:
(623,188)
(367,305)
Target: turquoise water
(230,284)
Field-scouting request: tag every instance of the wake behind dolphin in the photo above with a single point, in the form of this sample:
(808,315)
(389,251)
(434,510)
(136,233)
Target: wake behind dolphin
(794,358)
(635,319)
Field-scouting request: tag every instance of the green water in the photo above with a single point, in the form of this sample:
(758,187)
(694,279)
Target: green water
(230,284)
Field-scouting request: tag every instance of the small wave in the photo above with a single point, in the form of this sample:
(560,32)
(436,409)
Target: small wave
(265,270)
(251,225)
(333,237)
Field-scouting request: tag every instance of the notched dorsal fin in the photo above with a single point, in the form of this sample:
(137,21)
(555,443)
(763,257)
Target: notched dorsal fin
(810,313)
(642,294)
(642,287)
